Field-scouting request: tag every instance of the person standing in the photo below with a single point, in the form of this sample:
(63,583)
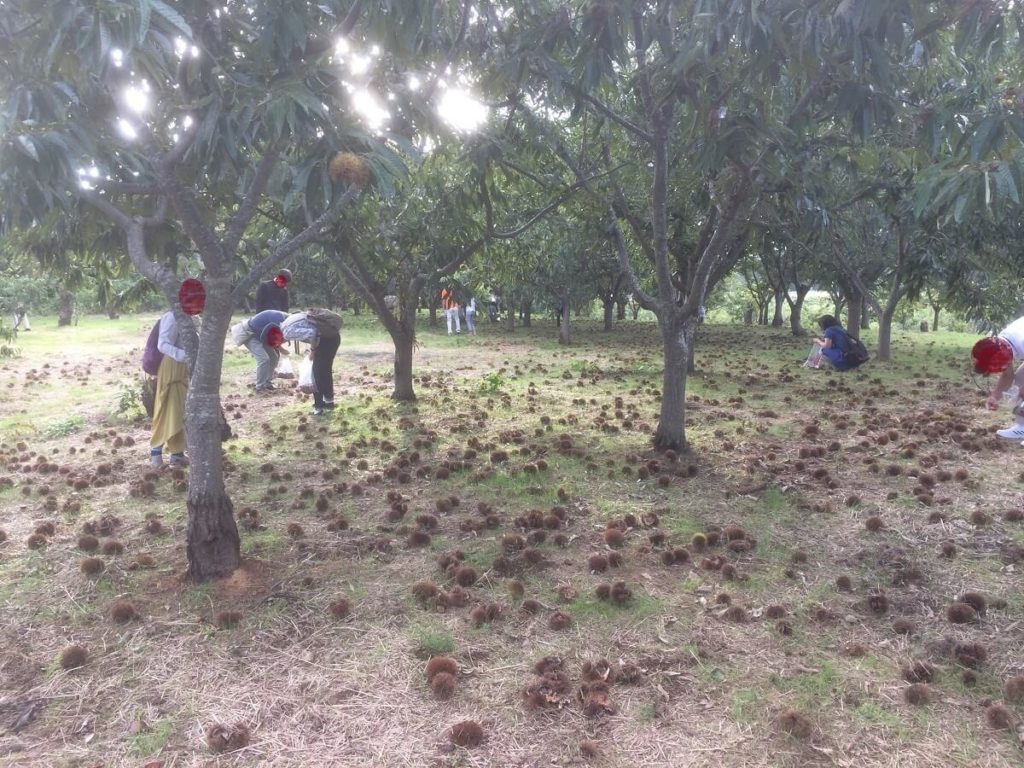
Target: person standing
(169,401)
(471,316)
(321,329)
(451,310)
(273,294)
(997,354)
(263,337)
(20,317)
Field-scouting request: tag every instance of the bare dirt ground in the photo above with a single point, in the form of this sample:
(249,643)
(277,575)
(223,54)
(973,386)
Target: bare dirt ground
(779,584)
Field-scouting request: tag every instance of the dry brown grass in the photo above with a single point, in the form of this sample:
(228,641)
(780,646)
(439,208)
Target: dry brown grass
(314,690)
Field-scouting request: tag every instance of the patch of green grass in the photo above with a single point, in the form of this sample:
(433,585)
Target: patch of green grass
(150,741)
(432,639)
(871,714)
(262,542)
(744,704)
(647,712)
(813,690)
(63,428)
(589,607)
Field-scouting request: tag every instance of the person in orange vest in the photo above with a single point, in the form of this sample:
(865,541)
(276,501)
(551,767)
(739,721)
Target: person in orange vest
(451,310)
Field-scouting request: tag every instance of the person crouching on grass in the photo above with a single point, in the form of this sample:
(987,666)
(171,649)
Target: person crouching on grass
(996,354)
(834,346)
(263,337)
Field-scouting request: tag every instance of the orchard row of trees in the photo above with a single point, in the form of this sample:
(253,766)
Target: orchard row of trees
(640,149)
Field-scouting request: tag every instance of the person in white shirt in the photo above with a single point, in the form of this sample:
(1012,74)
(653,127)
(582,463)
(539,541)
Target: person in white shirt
(20,318)
(997,354)
(169,403)
(471,316)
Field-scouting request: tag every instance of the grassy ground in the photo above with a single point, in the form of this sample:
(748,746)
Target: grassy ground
(716,655)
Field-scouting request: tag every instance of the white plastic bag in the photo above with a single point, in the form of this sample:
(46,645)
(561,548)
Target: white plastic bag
(284,368)
(306,383)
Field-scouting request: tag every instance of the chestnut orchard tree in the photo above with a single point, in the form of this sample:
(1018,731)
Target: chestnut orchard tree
(448,209)
(199,116)
(700,104)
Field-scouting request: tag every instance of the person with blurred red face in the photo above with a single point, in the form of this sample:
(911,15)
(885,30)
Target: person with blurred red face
(996,355)
(262,335)
(273,294)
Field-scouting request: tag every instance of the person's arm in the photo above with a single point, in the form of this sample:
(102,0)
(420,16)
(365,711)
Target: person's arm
(1002,384)
(168,336)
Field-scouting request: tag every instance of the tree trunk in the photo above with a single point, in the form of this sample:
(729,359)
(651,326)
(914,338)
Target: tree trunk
(510,317)
(748,315)
(211,541)
(635,308)
(67,307)
(854,304)
(563,325)
(777,321)
(112,312)
(935,316)
(357,307)
(403,367)
(527,310)
(883,350)
(609,308)
(865,319)
(762,313)
(677,339)
(620,309)
(796,309)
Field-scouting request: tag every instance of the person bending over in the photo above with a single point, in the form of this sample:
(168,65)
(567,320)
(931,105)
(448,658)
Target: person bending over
(997,355)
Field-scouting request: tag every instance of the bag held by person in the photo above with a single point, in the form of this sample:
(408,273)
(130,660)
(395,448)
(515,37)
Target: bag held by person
(284,369)
(306,383)
(151,355)
(241,333)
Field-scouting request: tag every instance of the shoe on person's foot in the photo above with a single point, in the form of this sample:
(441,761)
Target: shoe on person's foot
(178,461)
(318,411)
(329,405)
(1013,432)
(156,460)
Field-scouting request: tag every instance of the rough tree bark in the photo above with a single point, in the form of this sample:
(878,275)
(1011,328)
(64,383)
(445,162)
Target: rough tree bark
(935,316)
(777,320)
(608,305)
(526,312)
(796,309)
(212,540)
(66,312)
(563,321)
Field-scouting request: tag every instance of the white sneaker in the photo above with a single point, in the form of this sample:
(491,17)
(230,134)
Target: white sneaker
(1014,432)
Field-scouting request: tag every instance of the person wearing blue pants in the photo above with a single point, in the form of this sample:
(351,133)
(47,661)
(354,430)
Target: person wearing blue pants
(264,340)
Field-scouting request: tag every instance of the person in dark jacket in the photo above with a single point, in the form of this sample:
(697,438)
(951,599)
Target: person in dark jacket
(273,294)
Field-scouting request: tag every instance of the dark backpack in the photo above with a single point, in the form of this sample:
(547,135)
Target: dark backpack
(151,355)
(856,353)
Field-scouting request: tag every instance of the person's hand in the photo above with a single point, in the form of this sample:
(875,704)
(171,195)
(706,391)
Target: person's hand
(993,401)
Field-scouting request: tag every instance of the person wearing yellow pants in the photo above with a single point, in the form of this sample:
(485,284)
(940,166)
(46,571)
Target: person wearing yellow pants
(169,403)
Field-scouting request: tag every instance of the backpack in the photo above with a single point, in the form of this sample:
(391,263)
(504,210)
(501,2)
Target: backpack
(151,355)
(325,319)
(856,353)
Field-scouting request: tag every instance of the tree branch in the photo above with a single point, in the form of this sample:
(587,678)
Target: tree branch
(608,112)
(246,211)
(286,249)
